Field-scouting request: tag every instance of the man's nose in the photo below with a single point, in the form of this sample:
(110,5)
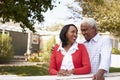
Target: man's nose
(83,32)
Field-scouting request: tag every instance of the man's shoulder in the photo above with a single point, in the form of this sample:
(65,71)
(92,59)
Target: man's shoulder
(105,38)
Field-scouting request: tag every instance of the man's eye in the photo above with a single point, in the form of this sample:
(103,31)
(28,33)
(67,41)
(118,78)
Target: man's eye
(83,30)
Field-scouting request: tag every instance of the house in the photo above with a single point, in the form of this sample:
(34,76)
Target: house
(29,42)
(25,42)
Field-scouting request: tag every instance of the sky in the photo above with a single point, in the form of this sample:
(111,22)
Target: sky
(61,14)
(58,15)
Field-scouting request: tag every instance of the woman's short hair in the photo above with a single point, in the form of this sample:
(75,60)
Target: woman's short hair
(89,21)
(63,32)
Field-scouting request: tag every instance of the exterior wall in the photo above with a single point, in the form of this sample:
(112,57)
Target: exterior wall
(115,61)
(115,40)
(19,42)
(35,42)
(20,39)
(116,43)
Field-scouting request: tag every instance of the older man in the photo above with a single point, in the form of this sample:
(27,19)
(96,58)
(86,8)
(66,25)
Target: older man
(99,48)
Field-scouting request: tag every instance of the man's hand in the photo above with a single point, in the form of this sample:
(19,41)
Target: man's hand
(99,75)
(52,49)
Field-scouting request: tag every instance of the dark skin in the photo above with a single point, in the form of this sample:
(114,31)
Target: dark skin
(99,75)
(63,72)
(71,36)
(89,32)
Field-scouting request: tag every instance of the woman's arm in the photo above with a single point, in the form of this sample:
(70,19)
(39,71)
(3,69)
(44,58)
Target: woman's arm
(86,66)
(52,66)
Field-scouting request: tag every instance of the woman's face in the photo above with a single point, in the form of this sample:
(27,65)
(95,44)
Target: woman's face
(71,35)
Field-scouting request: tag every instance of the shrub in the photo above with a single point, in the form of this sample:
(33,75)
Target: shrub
(46,51)
(44,54)
(115,51)
(6,49)
(44,57)
(34,57)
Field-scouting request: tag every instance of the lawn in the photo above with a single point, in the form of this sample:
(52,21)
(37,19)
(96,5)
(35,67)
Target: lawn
(112,69)
(38,70)
(25,70)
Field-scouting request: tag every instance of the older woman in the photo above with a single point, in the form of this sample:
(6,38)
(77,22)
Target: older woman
(69,57)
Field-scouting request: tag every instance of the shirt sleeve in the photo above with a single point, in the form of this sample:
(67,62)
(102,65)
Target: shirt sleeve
(106,50)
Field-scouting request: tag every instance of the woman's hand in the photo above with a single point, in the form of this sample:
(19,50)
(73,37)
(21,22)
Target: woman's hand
(71,71)
(64,72)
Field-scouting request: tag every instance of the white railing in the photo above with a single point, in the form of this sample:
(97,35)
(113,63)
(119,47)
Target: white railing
(111,76)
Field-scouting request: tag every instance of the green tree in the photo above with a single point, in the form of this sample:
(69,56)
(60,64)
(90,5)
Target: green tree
(25,12)
(106,12)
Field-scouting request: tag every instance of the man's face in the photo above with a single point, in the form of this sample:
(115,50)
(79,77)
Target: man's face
(88,31)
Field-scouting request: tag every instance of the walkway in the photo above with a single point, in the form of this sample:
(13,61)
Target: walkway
(20,61)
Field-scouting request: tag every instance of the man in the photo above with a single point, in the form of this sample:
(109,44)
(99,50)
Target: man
(99,49)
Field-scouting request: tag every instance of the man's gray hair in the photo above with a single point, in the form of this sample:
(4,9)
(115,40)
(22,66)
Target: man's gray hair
(89,21)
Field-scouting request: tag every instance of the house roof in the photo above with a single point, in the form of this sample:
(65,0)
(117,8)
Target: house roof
(10,26)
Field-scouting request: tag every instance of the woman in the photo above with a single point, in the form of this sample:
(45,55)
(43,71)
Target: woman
(69,57)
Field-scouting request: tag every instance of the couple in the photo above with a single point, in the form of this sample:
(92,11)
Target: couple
(70,57)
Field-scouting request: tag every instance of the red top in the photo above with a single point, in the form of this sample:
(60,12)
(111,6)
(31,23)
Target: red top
(80,59)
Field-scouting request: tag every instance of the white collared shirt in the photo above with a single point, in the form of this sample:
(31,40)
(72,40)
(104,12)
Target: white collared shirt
(99,49)
(67,62)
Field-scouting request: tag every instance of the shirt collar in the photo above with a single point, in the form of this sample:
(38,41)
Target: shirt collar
(74,46)
(95,38)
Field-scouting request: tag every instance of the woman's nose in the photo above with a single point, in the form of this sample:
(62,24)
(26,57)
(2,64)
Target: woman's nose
(75,34)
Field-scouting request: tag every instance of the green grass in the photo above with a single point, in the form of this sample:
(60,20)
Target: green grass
(38,70)
(25,70)
(112,69)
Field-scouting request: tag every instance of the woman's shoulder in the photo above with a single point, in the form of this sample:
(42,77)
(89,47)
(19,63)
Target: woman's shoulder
(80,44)
(56,46)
